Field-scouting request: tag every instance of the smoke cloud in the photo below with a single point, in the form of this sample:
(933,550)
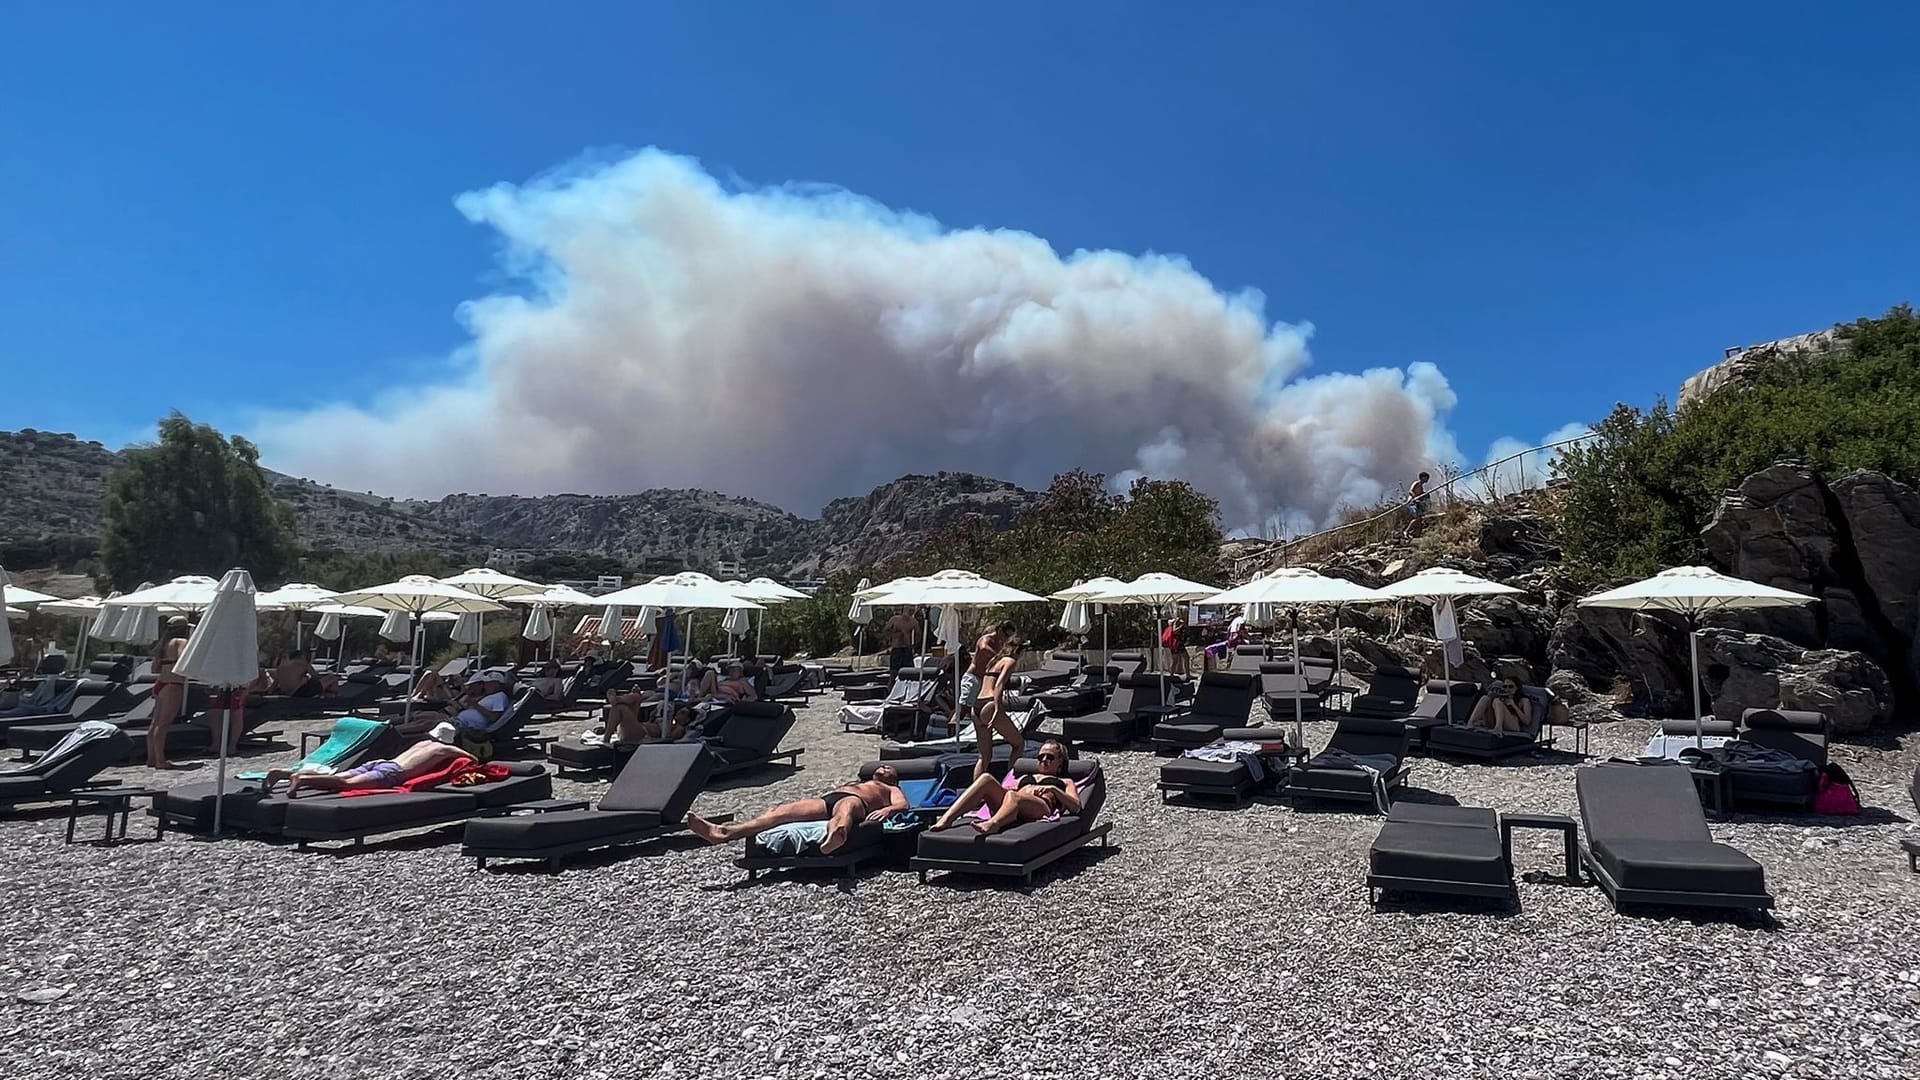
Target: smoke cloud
(797,343)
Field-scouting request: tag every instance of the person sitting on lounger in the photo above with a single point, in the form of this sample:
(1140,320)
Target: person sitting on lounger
(435,753)
(550,683)
(1045,795)
(295,677)
(485,702)
(842,808)
(431,690)
(1507,710)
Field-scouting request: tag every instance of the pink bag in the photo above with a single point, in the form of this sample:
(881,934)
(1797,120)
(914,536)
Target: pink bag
(1836,793)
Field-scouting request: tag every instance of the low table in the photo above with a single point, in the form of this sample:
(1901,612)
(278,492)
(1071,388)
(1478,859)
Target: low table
(116,801)
(1420,728)
(539,806)
(1912,848)
(1568,829)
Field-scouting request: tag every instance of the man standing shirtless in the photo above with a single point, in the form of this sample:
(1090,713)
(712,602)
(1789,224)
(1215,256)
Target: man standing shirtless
(842,808)
(985,651)
(899,633)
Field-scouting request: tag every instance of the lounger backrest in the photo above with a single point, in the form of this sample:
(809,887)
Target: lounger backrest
(662,778)
(1226,694)
(1278,677)
(1434,702)
(912,686)
(757,726)
(68,767)
(1640,802)
(111,670)
(1258,652)
(1360,735)
(1061,660)
(516,715)
(1802,734)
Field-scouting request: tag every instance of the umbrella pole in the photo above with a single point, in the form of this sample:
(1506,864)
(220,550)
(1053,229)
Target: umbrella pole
(1693,648)
(1299,724)
(406,719)
(220,777)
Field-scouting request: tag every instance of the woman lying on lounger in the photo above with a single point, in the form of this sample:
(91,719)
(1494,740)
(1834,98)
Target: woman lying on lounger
(842,808)
(1044,795)
(416,760)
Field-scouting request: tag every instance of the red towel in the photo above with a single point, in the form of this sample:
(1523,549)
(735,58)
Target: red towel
(460,772)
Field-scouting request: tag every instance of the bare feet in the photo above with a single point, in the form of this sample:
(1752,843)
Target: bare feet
(705,830)
(984,828)
(836,838)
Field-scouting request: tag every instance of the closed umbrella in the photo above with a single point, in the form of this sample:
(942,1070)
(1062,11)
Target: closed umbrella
(6,635)
(860,613)
(141,626)
(546,600)
(1295,587)
(1073,618)
(328,628)
(397,627)
(1692,592)
(735,625)
(416,595)
(1087,592)
(1440,586)
(466,628)
(224,650)
(951,591)
(107,620)
(126,618)
(539,624)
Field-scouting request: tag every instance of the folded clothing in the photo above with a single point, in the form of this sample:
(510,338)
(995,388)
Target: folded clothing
(793,838)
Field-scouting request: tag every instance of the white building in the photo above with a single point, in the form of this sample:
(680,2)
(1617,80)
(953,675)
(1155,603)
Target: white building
(506,558)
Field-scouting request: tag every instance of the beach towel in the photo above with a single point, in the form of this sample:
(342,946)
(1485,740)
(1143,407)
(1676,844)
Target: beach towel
(461,772)
(794,838)
(350,738)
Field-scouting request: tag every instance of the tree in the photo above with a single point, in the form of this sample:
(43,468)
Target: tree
(195,502)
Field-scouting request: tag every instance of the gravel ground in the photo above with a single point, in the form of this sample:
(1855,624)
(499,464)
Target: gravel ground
(1241,939)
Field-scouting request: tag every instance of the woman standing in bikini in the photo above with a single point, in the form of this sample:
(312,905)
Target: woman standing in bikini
(992,716)
(169,691)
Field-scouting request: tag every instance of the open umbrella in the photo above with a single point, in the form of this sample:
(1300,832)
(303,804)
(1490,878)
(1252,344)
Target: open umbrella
(22,597)
(762,590)
(1088,592)
(1439,586)
(224,650)
(1691,592)
(680,592)
(84,608)
(297,597)
(1160,592)
(1295,587)
(859,613)
(494,585)
(952,591)
(415,595)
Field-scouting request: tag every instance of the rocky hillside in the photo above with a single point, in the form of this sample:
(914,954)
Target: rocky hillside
(53,485)
(1853,541)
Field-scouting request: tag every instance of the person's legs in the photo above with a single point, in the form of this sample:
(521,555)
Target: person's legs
(1002,724)
(167,697)
(1003,815)
(802,810)
(846,814)
(984,791)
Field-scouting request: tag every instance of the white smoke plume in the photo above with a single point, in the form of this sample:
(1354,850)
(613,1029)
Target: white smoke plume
(795,344)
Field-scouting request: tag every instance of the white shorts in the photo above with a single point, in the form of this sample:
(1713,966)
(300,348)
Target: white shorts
(969,690)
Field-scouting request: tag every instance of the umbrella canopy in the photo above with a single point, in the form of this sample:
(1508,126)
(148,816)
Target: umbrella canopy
(190,593)
(953,588)
(860,613)
(1293,586)
(767,590)
(21,596)
(736,623)
(224,650)
(299,596)
(418,594)
(870,592)
(539,624)
(86,607)
(492,584)
(466,628)
(1693,591)
(1439,581)
(679,592)
(350,611)
(1085,591)
(555,596)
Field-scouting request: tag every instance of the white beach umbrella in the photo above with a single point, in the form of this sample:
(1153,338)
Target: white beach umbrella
(107,619)
(397,626)
(6,635)
(736,623)
(416,595)
(1691,592)
(860,613)
(494,585)
(681,592)
(1161,592)
(328,629)
(22,597)
(1074,619)
(1292,588)
(952,591)
(466,628)
(141,626)
(298,597)
(1088,592)
(224,650)
(1440,586)
(84,608)
(554,596)
(539,624)
(188,594)
(764,589)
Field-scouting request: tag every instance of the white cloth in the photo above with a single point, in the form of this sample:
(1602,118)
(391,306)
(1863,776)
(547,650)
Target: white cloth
(1446,627)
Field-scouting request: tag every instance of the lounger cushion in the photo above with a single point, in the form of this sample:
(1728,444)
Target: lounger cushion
(374,813)
(1325,778)
(917,768)
(1449,852)
(575,754)
(1468,817)
(524,832)
(528,783)
(663,778)
(1468,740)
(1186,734)
(1016,845)
(1105,729)
(1193,772)
(866,836)
(1680,866)
(21,788)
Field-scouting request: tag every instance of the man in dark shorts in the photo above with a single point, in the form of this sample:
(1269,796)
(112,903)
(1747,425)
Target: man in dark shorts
(899,633)
(843,808)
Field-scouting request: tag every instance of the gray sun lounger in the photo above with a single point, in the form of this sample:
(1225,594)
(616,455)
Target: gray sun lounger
(1456,850)
(648,799)
(1647,842)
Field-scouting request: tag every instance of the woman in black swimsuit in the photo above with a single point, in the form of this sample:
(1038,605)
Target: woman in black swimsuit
(1033,798)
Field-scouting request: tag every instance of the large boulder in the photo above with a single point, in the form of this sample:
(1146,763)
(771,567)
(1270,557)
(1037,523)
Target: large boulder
(1883,520)
(1639,660)
(1755,671)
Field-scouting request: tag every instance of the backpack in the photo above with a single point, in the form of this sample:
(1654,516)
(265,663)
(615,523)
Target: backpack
(1834,793)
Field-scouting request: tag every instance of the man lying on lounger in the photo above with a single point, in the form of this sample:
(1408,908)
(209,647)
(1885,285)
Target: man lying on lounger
(417,760)
(842,808)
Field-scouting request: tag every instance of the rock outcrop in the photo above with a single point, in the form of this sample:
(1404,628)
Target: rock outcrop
(1739,364)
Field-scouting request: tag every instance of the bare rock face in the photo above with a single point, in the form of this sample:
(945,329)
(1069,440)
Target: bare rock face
(1739,364)
(1854,543)
(1595,650)
(1755,671)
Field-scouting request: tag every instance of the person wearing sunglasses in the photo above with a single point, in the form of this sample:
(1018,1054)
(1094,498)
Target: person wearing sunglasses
(995,804)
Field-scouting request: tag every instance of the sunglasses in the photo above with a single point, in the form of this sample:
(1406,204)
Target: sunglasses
(1048,756)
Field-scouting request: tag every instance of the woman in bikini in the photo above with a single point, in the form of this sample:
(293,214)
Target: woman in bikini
(169,691)
(1046,794)
(992,716)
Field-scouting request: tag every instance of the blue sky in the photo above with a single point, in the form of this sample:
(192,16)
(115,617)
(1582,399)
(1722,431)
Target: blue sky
(214,207)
